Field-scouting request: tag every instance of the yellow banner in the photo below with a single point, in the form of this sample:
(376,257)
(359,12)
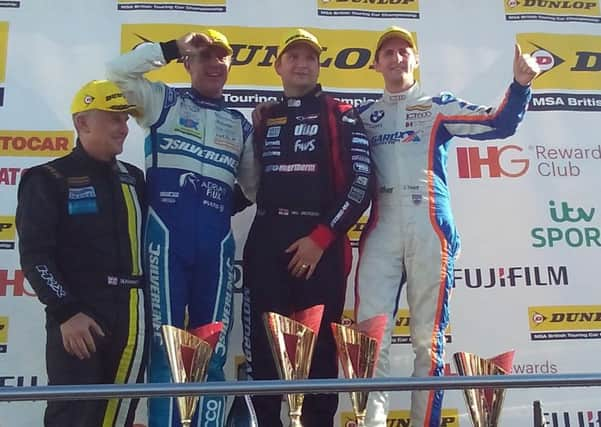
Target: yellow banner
(400,332)
(194,2)
(400,418)
(18,143)
(564,318)
(7,228)
(3,49)
(3,329)
(345,64)
(369,8)
(554,7)
(567,61)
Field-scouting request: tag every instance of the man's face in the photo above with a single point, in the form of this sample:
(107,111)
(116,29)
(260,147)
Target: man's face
(208,70)
(397,61)
(105,131)
(298,67)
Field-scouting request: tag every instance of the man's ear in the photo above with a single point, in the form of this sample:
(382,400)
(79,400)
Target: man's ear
(277,65)
(416,60)
(80,121)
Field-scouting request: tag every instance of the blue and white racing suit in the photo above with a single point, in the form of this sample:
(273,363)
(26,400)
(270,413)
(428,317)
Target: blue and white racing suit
(195,150)
(411,235)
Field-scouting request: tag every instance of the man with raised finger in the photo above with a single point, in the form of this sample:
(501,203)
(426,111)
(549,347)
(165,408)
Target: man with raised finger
(411,237)
(80,221)
(196,149)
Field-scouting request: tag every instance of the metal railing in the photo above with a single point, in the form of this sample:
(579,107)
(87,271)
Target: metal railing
(236,388)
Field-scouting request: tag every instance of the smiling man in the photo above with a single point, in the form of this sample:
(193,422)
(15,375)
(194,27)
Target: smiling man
(315,179)
(80,222)
(195,150)
(411,235)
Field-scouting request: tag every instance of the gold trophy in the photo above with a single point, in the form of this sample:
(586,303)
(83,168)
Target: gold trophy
(292,340)
(484,405)
(358,350)
(188,354)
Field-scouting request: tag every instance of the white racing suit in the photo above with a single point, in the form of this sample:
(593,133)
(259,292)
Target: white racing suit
(411,235)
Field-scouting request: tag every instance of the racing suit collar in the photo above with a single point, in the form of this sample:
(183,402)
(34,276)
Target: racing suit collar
(396,97)
(89,162)
(312,95)
(205,101)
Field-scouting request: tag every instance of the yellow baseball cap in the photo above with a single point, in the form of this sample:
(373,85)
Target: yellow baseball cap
(100,95)
(219,39)
(300,36)
(396,32)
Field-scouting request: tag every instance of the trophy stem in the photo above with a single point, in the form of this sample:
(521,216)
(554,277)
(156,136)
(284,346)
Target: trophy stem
(295,420)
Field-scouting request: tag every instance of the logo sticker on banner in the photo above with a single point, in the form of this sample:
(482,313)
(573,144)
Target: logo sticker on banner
(3,334)
(571,71)
(7,232)
(578,229)
(512,277)
(9,176)
(401,418)
(3,52)
(182,5)
(345,63)
(400,331)
(508,161)
(589,418)
(565,322)
(16,286)
(369,8)
(9,3)
(549,10)
(17,143)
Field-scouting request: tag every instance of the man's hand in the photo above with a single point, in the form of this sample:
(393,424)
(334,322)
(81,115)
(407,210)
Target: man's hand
(192,43)
(259,112)
(525,67)
(78,335)
(306,256)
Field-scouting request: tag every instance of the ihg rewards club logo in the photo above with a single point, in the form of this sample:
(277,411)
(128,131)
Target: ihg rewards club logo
(182,5)
(345,63)
(513,161)
(565,322)
(369,8)
(553,10)
(449,418)
(400,331)
(570,64)
(573,227)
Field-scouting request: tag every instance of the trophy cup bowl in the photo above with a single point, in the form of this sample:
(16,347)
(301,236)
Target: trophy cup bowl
(358,349)
(188,357)
(292,343)
(484,405)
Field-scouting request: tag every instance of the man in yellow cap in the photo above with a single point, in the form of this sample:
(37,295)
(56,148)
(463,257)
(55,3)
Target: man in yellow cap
(79,220)
(315,179)
(413,237)
(196,149)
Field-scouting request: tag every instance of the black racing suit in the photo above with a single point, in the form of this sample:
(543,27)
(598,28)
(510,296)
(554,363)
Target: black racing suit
(315,181)
(79,222)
